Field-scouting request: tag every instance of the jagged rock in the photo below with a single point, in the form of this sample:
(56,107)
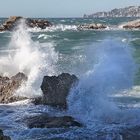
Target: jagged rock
(2,137)
(132,24)
(92,26)
(13,21)
(56,89)
(9,85)
(45,121)
(38,23)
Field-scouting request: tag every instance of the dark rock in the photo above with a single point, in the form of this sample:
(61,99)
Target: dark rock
(92,26)
(45,121)
(133,24)
(56,89)
(9,85)
(131,133)
(38,23)
(2,137)
(13,21)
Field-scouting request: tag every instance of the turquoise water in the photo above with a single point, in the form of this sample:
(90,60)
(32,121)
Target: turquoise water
(106,62)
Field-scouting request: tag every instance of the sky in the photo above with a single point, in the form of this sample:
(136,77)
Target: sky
(59,8)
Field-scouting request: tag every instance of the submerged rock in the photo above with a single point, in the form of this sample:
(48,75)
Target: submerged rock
(56,89)
(45,121)
(2,137)
(92,26)
(13,21)
(132,24)
(131,133)
(9,85)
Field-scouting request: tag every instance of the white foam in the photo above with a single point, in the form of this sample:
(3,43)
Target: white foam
(59,27)
(32,58)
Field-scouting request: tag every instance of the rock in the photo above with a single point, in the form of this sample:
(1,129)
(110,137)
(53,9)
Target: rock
(9,85)
(2,137)
(131,133)
(45,121)
(13,21)
(19,77)
(92,26)
(38,23)
(56,89)
(132,24)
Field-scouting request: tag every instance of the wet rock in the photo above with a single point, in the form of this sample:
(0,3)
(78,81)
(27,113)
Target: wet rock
(13,21)
(92,26)
(45,121)
(2,137)
(9,85)
(56,89)
(38,23)
(132,25)
(131,133)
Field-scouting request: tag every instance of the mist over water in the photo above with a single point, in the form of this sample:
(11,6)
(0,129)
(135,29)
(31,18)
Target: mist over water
(112,73)
(32,58)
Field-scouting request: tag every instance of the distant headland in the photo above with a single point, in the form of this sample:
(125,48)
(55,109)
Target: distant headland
(131,11)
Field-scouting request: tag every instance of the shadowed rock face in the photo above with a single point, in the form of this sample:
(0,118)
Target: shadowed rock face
(45,121)
(56,89)
(92,26)
(133,24)
(2,137)
(9,85)
(13,21)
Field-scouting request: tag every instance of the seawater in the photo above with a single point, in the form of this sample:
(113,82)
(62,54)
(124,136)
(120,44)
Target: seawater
(106,98)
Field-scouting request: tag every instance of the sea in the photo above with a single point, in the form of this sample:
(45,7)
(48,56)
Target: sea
(106,61)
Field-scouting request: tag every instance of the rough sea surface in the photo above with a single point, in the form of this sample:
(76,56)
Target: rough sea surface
(107,98)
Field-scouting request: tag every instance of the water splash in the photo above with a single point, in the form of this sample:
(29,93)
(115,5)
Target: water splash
(32,58)
(54,28)
(113,72)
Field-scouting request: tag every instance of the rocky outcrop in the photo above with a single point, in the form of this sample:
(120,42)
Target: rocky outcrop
(56,89)
(92,26)
(9,85)
(131,11)
(13,21)
(45,121)
(132,24)
(2,137)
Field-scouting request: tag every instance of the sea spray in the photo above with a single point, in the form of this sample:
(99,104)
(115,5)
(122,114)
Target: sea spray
(32,58)
(113,72)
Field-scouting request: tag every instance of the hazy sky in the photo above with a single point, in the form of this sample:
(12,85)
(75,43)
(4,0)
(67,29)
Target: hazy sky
(59,8)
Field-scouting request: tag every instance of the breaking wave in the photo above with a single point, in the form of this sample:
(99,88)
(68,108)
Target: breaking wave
(32,58)
(112,73)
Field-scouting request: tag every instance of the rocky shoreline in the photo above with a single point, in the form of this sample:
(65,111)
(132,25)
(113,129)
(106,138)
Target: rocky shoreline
(55,90)
(131,11)
(12,22)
